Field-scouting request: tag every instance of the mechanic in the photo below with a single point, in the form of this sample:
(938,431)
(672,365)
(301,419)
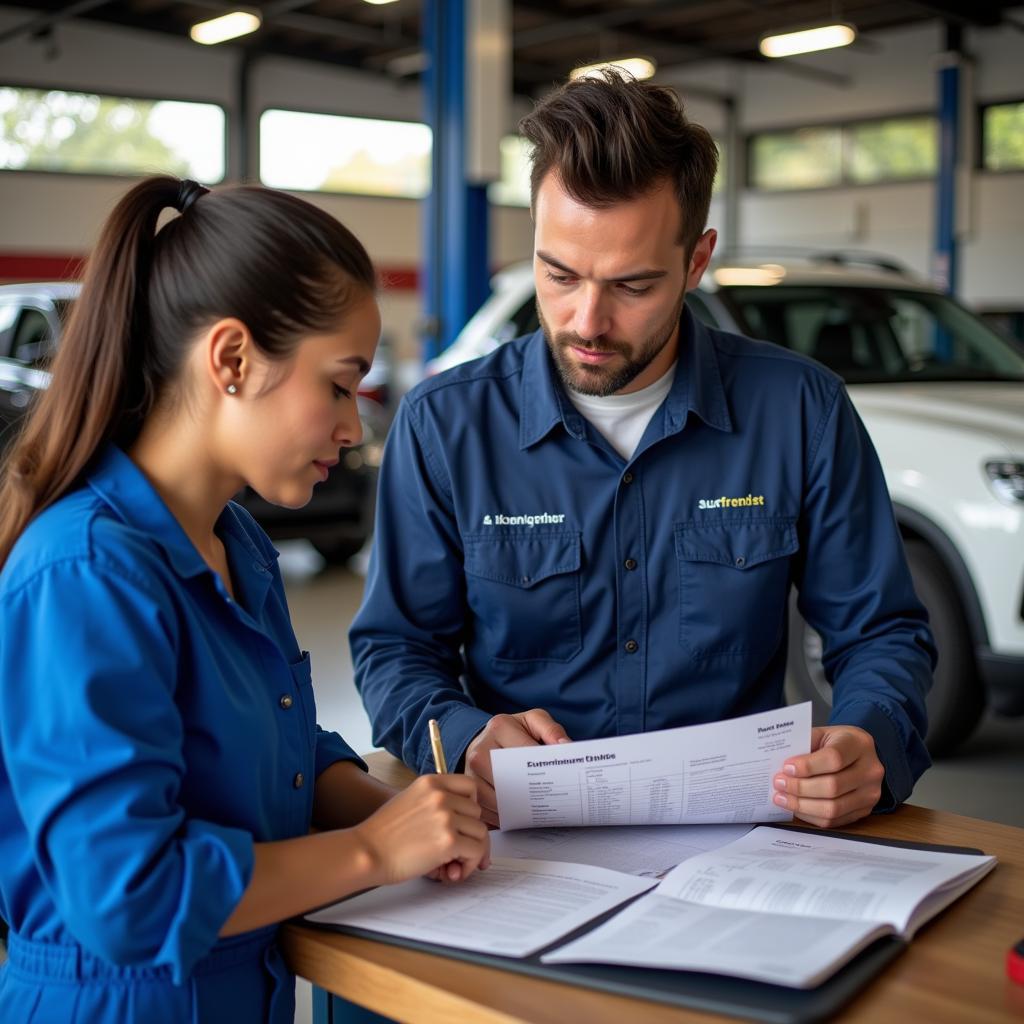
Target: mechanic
(549,562)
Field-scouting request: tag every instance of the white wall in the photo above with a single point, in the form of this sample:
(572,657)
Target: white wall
(894,73)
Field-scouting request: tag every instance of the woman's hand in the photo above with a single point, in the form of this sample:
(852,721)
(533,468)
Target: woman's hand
(431,828)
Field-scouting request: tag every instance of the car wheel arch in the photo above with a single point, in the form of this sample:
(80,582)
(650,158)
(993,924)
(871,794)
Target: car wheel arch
(914,525)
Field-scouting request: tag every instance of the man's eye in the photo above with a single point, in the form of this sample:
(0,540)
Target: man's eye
(559,278)
(340,392)
(635,291)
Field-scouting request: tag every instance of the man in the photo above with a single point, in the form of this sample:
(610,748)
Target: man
(593,531)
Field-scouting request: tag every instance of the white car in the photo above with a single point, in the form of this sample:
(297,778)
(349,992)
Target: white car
(942,396)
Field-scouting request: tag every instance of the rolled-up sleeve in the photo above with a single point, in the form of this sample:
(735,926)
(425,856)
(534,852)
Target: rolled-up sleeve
(407,636)
(855,589)
(92,742)
(330,747)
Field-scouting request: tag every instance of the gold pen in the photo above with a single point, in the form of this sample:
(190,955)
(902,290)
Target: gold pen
(440,764)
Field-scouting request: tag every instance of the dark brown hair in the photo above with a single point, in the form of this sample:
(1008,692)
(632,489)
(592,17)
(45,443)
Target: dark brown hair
(280,265)
(610,138)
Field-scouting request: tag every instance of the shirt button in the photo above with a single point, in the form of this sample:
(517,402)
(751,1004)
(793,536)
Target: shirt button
(740,561)
(630,564)
(298,780)
(285,702)
(627,478)
(632,647)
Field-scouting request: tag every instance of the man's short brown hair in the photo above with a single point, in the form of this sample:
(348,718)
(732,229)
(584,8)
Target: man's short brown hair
(610,138)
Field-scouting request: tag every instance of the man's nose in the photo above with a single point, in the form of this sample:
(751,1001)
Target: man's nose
(591,320)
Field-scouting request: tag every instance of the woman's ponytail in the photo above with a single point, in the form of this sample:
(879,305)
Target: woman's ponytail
(97,374)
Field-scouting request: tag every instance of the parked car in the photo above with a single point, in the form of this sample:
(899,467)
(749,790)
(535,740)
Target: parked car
(338,520)
(942,397)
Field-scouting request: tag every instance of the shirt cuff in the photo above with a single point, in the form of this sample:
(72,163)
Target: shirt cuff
(330,747)
(218,866)
(458,727)
(899,779)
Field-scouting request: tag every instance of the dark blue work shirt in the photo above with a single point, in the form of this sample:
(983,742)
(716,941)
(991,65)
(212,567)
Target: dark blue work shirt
(520,562)
(152,729)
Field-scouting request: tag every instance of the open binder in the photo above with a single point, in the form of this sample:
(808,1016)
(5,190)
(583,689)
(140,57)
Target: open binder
(737,997)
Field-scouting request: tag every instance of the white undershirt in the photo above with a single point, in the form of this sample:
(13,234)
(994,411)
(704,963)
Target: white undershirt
(622,419)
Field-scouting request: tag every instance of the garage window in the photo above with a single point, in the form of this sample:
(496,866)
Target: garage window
(859,153)
(1002,134)
(332,153)
(92,133)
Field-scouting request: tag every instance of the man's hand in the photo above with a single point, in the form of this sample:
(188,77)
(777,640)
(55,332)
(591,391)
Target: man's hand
(839,781)
(525,729)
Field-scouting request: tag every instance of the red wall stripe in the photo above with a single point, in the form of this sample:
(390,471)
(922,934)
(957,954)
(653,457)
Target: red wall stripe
(68,266)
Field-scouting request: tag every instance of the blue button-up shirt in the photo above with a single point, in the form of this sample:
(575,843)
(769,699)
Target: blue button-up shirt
(152,729)
(520,562)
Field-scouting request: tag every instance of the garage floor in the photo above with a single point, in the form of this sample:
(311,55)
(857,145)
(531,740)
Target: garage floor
(980,781)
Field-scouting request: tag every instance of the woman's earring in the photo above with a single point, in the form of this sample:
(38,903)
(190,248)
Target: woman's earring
(232,390)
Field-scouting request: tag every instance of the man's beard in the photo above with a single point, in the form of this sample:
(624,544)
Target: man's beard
(601,381)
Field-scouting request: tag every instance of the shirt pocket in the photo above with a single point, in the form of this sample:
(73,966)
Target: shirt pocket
(304,702)
(733,584)
(524,591)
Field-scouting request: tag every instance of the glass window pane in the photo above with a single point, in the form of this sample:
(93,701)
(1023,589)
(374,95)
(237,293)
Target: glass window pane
(1003,134)
(514,187)
(892,149)
(87,133)
(330,153)
(805,158)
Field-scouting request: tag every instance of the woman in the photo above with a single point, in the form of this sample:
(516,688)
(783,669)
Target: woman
(161,763)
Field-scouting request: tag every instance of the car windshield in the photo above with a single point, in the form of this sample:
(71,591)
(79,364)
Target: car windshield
(876,335)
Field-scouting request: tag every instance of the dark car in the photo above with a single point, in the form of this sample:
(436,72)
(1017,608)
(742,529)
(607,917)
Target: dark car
(338,520)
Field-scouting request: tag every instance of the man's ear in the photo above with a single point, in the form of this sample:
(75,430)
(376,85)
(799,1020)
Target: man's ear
(228,349)
(700,258)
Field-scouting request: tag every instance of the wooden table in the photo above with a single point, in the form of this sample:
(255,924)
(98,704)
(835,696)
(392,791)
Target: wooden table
(953,971)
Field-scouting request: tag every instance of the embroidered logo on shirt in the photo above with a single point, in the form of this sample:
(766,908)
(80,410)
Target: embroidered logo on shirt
(724,502)
(535,520)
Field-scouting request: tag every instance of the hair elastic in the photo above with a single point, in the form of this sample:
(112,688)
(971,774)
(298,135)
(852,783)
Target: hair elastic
(188,192)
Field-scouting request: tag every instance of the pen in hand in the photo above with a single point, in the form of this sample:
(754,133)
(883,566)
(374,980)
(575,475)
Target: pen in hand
(453,869)
(440,764)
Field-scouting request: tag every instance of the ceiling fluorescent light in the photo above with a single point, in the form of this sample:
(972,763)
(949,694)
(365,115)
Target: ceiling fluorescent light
(639,67)
(808,40)
(380,3)
(227,26)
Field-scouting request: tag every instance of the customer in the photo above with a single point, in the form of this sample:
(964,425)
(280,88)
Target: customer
(161,763)
(593,531)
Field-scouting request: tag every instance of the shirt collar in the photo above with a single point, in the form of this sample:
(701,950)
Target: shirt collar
(123,486)
(697,388)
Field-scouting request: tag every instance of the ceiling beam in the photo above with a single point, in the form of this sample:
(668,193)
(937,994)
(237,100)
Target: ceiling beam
(44,22)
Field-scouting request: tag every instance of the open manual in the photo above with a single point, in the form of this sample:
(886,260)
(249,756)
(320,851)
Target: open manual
(780,906)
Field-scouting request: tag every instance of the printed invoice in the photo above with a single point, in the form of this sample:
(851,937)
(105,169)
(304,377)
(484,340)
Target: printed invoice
(698,775)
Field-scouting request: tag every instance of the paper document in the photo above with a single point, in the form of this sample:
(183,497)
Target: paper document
(650,850)
(513,908)
(784,907)
(699,774)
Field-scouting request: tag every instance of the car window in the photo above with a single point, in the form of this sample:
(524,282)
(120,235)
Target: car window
(8,318)
(877,334)
(525,319)
(34,338)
